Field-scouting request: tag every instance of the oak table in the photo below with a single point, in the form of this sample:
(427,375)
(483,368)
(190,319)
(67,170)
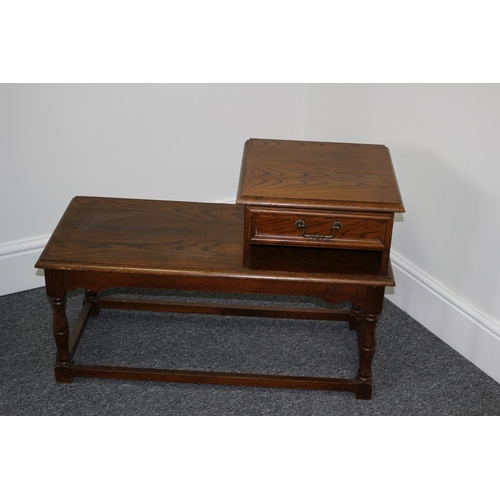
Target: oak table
(311,219)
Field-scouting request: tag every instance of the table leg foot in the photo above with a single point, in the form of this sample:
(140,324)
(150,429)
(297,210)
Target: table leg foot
(63,374)
(363,389)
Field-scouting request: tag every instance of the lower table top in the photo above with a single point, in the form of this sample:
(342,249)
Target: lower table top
(169,237)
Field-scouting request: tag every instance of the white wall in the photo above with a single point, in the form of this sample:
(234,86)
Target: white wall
(161,141)
(444,142)
(179,142)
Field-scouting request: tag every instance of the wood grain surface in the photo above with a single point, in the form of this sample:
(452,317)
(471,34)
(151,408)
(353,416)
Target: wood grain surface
(318,174)
(111,233)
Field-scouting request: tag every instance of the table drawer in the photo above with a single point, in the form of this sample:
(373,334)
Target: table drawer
(318,228)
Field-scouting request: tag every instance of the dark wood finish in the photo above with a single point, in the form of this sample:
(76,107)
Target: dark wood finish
(220,378)
(79,327)
(367,341)
(224,309)
(103,243)
(359,230)
(75,254)
(306,174)
(352,184)
(57,294)
(358,263)
(154,237)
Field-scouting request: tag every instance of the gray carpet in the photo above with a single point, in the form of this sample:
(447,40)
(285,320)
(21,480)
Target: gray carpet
(415,372)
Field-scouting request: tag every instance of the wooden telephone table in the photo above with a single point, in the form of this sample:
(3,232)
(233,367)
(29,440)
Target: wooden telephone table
(311,219)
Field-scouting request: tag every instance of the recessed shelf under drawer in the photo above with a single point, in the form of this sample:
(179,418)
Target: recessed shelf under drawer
(315,260)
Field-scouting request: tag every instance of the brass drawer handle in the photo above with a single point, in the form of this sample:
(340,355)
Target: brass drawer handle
(300,224)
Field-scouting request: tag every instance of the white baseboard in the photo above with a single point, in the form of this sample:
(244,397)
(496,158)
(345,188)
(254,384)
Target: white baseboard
(446,315)
(17,260)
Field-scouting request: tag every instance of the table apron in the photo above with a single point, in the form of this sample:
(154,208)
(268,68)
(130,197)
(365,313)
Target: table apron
(331,291)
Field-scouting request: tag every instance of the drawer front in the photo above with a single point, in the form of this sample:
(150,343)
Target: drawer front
(318,228)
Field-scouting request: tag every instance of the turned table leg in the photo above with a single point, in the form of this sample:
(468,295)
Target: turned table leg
(57,295)
(367,341)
